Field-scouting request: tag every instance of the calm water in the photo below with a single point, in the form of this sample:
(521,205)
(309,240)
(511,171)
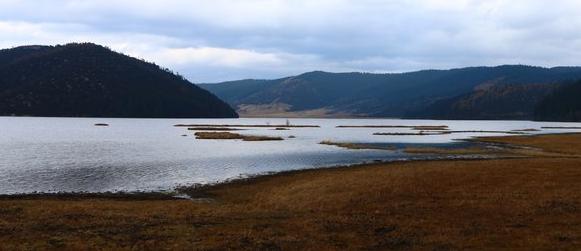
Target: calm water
(71,154)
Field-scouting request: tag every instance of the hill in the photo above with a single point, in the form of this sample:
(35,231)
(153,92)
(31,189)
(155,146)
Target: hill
(411,94)
(562,105)
(509,102)
(88,80)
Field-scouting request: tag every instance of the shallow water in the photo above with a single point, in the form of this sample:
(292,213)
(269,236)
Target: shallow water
(71,154)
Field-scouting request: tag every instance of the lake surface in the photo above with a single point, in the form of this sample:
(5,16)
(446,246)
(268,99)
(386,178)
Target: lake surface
(71,154)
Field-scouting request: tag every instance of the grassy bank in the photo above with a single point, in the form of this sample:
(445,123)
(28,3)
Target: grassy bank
(525,203)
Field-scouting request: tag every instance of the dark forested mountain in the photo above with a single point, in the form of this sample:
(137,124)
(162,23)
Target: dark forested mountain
(562,105)
(88,80)
(505,101)
(429,93)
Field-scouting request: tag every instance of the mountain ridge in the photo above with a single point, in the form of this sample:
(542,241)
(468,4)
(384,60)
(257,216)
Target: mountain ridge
(89,80)
(359,94)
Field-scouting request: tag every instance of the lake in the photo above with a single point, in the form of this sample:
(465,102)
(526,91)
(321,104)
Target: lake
(73,155)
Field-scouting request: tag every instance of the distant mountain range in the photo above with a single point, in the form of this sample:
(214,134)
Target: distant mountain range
(88,80)
(502,92)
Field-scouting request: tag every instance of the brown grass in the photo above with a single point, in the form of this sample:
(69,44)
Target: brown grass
(522,204)
(569,144)
(281,110)
(456,151)
(229,135)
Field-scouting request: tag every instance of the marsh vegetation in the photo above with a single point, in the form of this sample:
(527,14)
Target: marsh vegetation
(229,135)
(213,129)
(417,128)
(357,146)
(244,125)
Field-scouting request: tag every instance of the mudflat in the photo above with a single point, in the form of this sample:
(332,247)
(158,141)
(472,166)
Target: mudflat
(532,201)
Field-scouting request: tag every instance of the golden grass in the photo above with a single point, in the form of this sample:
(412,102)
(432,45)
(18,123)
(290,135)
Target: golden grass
(229,135)
(557,143)
(522,204)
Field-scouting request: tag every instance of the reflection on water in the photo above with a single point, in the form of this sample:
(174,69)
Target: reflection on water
(71,154)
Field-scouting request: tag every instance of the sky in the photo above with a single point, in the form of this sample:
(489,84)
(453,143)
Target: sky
(219,40)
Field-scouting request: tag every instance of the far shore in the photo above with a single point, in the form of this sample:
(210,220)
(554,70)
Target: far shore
(530,200)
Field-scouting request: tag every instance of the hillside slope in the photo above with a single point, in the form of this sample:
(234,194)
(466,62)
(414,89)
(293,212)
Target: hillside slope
(88,80)
(380,95)
(562,105)
(510,102)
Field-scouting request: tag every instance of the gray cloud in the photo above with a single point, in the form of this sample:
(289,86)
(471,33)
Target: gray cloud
(228,39)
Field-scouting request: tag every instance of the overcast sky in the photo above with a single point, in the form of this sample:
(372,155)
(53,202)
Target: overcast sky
(218,40)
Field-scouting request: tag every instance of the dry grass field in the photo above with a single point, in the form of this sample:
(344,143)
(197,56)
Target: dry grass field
(530,203)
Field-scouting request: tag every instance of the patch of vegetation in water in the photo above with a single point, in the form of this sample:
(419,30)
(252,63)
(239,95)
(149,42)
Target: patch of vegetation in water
(358,146)
(456,148)
(502,132)
(213,129)
(421,133)
(562,127)
(527,130)
(229,135)
(417,128)
(241,125)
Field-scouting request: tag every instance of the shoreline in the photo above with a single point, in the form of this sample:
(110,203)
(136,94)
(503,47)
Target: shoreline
(525,203)
(193,190)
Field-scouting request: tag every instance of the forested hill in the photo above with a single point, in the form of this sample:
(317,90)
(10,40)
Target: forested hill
(474,92)
(562,105)
(88,80)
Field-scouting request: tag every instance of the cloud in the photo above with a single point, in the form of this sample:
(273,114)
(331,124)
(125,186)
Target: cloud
(229,39)
(215,56)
